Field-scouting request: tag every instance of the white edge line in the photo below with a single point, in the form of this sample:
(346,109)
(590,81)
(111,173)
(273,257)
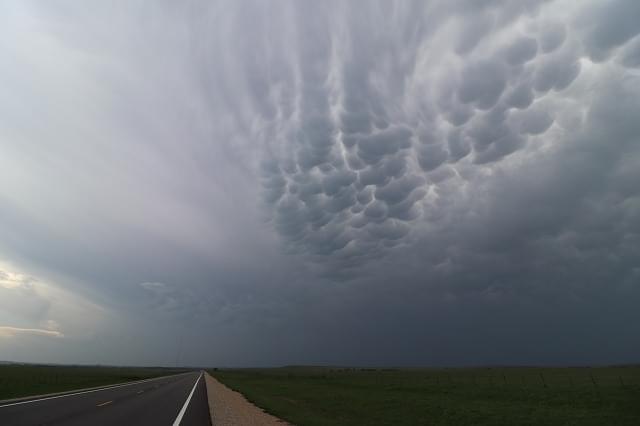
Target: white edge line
(83,392)
(186,403)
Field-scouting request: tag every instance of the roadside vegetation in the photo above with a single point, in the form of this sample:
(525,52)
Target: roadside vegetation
(478,396)
(17,380)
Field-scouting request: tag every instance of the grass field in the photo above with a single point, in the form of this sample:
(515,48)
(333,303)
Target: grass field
(479,396)
(26,380)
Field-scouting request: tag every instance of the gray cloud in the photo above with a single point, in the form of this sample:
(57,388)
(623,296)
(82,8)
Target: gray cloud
(277,178)
(552,36)
(521,51)
(482,84)
(630,57)
(609,25)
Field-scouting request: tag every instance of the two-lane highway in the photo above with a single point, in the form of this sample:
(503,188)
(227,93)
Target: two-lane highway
(172,400)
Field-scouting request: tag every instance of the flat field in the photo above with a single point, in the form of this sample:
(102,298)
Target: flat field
(474,396)
(26,380)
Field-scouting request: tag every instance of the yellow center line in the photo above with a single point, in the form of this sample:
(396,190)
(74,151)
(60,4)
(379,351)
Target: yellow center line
(104,403)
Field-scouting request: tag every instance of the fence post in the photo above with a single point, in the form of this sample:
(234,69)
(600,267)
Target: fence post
(595,385)
(543,382)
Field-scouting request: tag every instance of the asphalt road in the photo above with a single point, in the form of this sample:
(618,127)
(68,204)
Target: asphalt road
(172,400)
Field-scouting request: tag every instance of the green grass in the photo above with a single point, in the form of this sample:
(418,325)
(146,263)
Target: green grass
(26,380)
(495,396)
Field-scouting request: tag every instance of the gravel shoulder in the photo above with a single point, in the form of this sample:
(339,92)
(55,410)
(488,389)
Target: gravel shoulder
(230,408)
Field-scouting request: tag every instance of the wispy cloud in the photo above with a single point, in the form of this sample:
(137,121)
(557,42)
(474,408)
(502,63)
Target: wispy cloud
(8,332)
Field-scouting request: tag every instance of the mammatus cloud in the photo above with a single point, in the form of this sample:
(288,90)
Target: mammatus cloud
(384,129)
(390,182)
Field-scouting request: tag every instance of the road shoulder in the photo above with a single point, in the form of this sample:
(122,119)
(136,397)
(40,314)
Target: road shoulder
(230,408)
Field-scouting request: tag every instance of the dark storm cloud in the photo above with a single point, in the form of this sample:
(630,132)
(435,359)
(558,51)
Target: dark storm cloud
(482,84)
(521,51)
(609,25)
(446,182)
(447,206)
(631,54)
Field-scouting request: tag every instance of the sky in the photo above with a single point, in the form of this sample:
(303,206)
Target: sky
(251,183)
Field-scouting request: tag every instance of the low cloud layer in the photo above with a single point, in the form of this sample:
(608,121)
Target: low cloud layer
(239,183)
